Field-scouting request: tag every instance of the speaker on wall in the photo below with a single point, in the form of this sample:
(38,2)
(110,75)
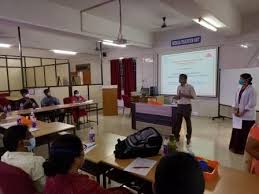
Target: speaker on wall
(104,54)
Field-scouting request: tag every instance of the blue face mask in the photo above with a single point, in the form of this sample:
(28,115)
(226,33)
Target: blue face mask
(31,144)
(241,82)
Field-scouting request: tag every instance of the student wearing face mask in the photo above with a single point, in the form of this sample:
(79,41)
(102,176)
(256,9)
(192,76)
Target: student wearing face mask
(50,100)
(65,159)
(244,107)
(19,143)
(77,97)
(78,112)
(27,102)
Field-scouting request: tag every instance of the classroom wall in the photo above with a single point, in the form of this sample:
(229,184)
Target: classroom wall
(231,56)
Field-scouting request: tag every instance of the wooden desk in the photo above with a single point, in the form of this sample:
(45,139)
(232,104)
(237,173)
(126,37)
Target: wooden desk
(105,145)
(46,131)
(51,128)
(230,181)
(90,106)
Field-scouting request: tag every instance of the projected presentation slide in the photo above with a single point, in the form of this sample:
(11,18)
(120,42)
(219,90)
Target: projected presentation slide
(200,67)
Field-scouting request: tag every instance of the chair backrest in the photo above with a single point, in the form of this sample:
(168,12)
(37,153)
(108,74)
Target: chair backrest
(67,100)
(15,180)
(126,101)
(4,101)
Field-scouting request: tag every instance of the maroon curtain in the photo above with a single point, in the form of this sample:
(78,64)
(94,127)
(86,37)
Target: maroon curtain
(115,75)
(129,76)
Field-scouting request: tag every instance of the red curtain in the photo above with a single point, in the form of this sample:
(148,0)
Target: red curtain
(115,75)
(129,76)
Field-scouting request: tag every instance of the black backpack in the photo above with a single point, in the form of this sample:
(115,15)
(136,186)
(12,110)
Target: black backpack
(144,143)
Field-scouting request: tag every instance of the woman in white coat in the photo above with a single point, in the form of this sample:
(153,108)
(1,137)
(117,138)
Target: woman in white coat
(244,107)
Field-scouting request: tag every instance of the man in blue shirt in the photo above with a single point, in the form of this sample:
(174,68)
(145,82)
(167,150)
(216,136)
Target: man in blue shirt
(49,100)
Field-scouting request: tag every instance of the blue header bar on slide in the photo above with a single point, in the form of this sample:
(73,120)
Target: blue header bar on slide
(186,41)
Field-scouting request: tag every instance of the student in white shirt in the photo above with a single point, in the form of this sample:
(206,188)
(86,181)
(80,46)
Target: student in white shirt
(19,144)
(185,92)
(244,107)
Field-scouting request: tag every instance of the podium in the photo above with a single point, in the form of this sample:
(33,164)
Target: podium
(110,104)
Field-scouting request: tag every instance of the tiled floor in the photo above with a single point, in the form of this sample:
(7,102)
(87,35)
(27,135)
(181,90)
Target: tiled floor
(210,138)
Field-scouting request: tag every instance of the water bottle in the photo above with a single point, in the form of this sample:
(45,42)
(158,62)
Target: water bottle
(33,120)
(33,106)
(91,135)
(5,110)
(9,109)
(19,120)
(21,106)
(165,146)
(172,147)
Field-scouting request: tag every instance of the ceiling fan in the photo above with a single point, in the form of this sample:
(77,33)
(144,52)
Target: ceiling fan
(164,25)
(120,39)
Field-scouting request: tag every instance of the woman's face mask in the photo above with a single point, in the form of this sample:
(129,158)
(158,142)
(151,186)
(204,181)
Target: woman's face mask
(27,95)
(241,82)
(77,95)
(30,144)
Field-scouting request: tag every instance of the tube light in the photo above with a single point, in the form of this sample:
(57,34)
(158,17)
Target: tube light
(244,45)
(64,52)
(205,24)
(214,21)
(108,41)
(114,44)
(3,45)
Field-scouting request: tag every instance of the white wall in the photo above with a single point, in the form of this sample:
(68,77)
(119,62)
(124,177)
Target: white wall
(231,55)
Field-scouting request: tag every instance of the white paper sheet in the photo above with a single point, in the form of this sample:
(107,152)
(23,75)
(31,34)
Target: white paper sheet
(237,122)
(33,129)
(140,166)
(7,125)
(89,146)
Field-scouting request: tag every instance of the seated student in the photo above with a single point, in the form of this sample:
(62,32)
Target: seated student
(77,98)
(26,101)
(179,173)
(19,143)
(65,159)
(49,100)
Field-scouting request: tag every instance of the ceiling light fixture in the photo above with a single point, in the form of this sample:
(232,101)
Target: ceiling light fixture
(214,21)
(64,52)
(114,44)
(3,45)
(205,24)
(244,45)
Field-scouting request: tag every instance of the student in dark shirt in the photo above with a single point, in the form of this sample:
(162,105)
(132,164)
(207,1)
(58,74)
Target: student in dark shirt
(179,173)
(27,102)
(49,100)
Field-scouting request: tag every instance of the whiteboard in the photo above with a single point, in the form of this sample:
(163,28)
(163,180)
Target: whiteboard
(229,84)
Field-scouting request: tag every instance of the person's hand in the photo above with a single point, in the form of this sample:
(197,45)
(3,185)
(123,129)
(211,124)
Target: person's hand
(239,114)
(234,109)
(2,116)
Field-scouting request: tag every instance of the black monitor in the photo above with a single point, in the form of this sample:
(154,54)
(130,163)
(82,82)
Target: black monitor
(153,91)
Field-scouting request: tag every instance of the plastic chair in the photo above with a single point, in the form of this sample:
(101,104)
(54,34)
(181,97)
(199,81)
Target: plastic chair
(126,102)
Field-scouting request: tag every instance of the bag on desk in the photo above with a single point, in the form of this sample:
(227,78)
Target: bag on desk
(145,143)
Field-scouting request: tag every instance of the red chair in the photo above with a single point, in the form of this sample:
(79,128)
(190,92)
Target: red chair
(15,180)
(126,102)
(77,114)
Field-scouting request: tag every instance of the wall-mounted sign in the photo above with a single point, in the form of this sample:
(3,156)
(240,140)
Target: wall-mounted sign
(186,41)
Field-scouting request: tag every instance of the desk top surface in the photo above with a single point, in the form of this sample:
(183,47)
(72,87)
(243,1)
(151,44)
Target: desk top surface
(51,108)
(230,181)
(44,128)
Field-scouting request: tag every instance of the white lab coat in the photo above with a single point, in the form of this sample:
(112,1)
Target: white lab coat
(247,102)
